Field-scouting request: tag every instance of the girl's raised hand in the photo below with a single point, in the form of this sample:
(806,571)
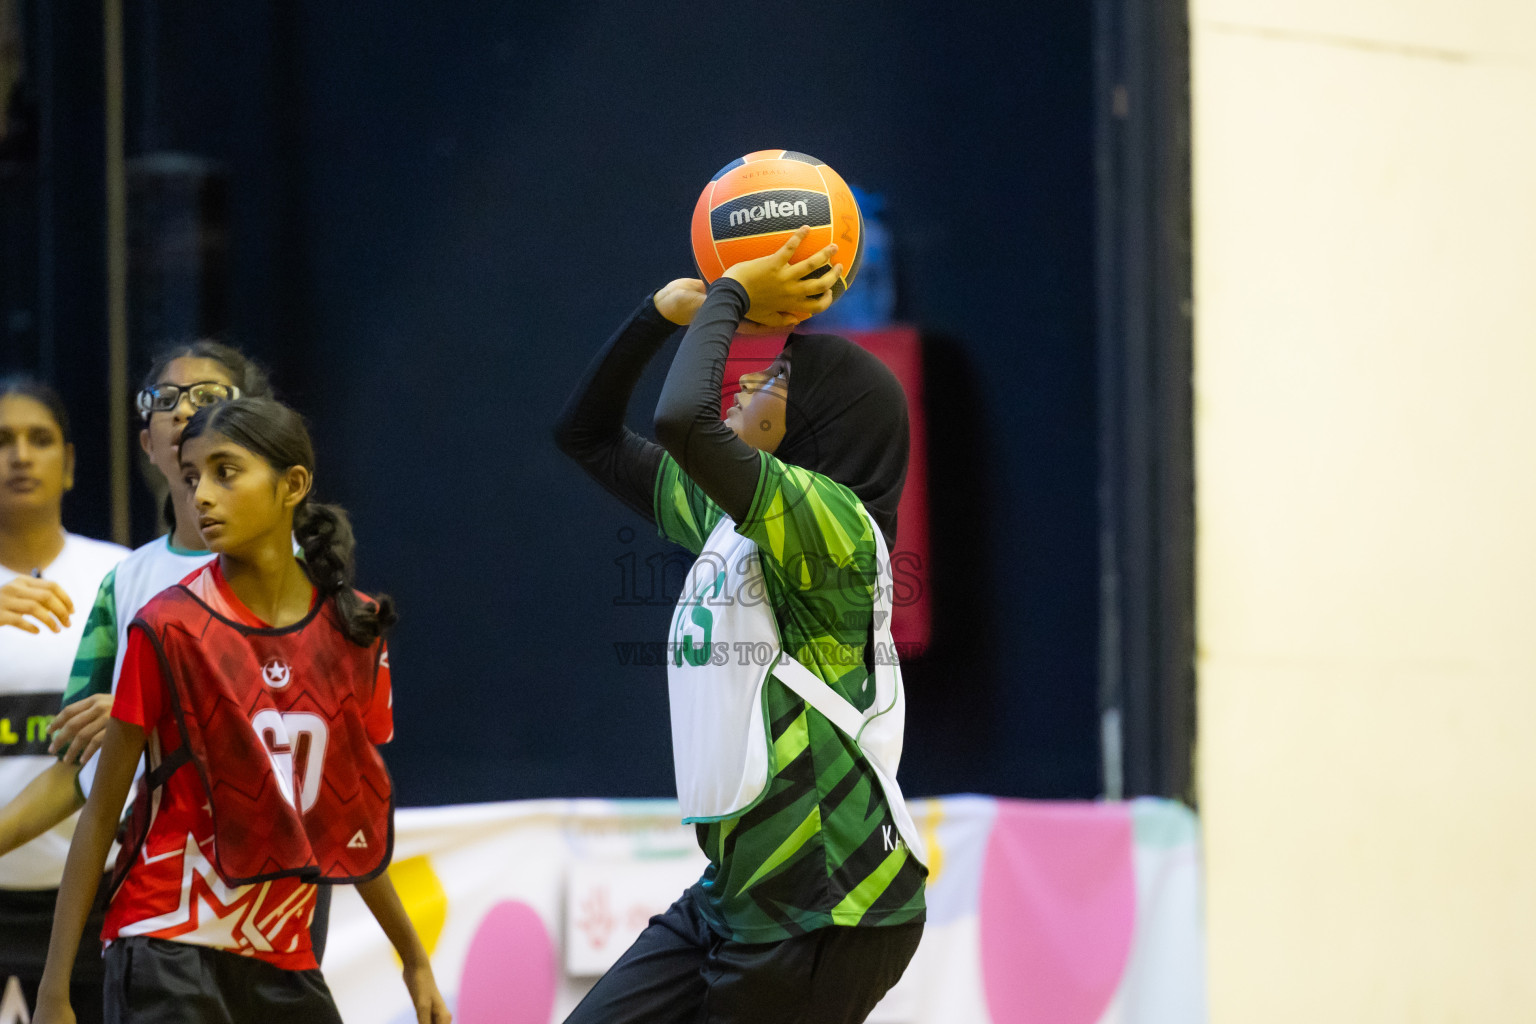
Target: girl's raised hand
(679,300)
(779,293)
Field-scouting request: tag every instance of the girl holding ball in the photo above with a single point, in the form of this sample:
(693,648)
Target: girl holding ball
(813,901)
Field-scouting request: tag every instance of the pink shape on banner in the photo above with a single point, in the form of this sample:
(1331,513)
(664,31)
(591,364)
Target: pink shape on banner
(1058,908)
(509,971)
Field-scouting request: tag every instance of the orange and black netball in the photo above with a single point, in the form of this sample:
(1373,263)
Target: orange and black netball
(752,205)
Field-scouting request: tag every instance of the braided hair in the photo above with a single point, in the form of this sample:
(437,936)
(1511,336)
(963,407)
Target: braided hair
(277,434)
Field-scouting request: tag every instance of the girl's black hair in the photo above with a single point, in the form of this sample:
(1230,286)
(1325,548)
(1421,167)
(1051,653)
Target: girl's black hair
(277,434)
(244,373)
(30,387)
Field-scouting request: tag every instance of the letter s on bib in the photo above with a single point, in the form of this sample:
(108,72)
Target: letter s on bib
(695,634)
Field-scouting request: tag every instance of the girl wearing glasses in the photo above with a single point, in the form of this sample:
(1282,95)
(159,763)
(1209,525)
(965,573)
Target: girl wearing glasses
(181,381)
(45,574)
(813,900)
(259,687)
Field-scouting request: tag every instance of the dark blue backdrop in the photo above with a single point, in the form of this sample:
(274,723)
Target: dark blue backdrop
(439,211)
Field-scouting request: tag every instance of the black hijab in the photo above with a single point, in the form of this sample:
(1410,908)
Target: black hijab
(847,419)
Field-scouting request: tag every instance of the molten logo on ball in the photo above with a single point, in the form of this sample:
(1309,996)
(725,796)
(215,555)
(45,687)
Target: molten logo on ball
(753,204)
(768,209)
(774,211)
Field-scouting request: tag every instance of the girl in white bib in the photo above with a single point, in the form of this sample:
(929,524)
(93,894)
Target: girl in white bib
(785,695)
(47,578)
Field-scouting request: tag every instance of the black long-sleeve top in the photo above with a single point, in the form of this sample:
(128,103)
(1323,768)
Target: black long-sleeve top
(591,427)
(846,871)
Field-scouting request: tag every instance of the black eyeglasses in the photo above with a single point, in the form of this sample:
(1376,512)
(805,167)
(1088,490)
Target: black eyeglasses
(166,397)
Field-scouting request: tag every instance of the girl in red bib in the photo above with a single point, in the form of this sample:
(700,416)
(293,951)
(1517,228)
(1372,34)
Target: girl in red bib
(259,688)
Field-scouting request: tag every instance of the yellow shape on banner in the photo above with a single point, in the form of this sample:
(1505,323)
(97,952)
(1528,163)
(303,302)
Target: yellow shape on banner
(933,813)
(426,904)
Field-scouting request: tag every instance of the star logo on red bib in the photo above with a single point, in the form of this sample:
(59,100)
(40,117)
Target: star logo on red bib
(276,673)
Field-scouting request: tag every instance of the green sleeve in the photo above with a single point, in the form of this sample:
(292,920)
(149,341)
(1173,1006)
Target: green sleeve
(812,531)
(684,513)
(96,656)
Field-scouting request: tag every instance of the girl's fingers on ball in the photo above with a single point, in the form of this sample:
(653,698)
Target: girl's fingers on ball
(814,286)
(793,241)
(815,261)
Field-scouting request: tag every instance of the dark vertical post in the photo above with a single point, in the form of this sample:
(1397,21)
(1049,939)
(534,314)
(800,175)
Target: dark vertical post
(47,115)
(1146,421)
(71,255)
(117,269)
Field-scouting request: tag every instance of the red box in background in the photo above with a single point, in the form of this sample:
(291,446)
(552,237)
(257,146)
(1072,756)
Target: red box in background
(901,349)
